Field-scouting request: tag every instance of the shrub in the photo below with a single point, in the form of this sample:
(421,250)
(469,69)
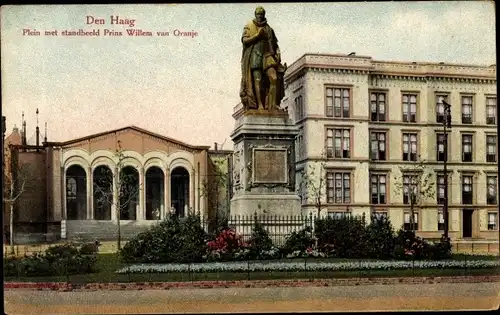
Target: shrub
(410,246)
(381,237)
(56,260)
(346,235)
(227,246)
(260,242)
(90,248)
(440,250)
(193,240)
(299,241)
(172,240)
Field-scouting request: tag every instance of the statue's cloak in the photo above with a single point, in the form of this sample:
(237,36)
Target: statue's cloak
(247,92)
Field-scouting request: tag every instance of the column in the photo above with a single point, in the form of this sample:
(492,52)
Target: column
(196,205)
(63,193)
(89,193)
(114,210)
(191,190)
(63,205)
(141,213)
(166,193)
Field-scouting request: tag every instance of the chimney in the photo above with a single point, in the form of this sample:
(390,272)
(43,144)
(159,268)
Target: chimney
(45,138)
(23,132)
(37,132)
(215,146)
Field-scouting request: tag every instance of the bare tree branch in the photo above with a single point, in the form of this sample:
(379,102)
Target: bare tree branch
(312,186)
(417,183)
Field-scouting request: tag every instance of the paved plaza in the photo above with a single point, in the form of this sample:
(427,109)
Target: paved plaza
(442,296)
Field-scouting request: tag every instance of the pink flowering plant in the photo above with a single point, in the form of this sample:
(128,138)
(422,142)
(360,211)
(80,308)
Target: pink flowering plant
(227,245)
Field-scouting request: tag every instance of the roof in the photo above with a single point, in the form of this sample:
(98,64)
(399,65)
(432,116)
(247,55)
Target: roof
(132,127)
(368,64)
(14,137)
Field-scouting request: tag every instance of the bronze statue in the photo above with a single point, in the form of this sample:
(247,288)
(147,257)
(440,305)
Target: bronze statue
(262,85)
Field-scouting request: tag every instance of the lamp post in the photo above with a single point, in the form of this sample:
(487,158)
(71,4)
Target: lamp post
(4,128)
(446,126)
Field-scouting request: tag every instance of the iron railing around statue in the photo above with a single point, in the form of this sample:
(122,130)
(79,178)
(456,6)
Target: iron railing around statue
(278,227)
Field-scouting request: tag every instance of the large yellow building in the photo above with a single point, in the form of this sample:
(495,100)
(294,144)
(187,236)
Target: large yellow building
(368,126)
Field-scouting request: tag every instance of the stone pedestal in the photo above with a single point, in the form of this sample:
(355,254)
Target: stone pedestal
(264,164)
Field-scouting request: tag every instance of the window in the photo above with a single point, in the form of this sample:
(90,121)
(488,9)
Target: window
(380,214)
(300,144)
(409,107)
(409,146)
(378,146)
(338,143)
(440,153)
(410,184)
(491,110)
(440,220)
(466,148)
(440,189)
(339,215)
(407,223)
(492,221)
(378,106)
(466,109)
(466,189)
(71,188)
(440,107)
(338,185)
(379,188)
(492,189)
(337,102)
(491,148)
(299,108)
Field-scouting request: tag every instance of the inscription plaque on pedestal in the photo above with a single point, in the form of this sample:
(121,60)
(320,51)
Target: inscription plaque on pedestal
(270,166)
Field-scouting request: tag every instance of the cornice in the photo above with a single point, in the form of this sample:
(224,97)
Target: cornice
(387,69)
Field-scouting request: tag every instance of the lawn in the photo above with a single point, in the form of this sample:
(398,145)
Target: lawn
(109,263)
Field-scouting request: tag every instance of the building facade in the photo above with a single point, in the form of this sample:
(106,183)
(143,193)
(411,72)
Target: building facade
(72,190)
(370,128)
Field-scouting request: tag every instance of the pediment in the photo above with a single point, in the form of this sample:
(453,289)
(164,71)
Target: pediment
(131,138)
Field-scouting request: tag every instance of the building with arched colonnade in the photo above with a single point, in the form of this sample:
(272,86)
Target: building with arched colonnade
(158,175)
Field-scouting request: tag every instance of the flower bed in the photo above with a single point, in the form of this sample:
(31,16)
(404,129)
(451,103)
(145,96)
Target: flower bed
(304,265)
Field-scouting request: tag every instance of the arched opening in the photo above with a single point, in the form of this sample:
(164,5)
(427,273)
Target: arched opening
(103,192)
(129,193)
(155,192)
(179,190)
(76,193)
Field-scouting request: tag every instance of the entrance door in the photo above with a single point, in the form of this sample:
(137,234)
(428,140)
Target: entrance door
(467,222)
(179,190)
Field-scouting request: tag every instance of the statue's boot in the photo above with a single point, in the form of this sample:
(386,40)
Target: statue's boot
(272,97)
(258,95)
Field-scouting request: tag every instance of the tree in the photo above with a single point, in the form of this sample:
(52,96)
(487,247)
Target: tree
(15,178)
(126,189)
(214,187)
(312,186)
(415,183)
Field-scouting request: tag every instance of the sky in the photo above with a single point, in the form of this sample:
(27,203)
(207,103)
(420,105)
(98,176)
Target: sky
(186,87)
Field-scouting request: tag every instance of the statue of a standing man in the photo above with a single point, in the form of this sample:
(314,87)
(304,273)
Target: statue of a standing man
(262,72)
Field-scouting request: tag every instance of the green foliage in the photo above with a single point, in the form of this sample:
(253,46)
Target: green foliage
(440,250)
(410,246)
(347,236)
(56,260)
(299,241)
(260,240)
(380,236)
(172,240)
